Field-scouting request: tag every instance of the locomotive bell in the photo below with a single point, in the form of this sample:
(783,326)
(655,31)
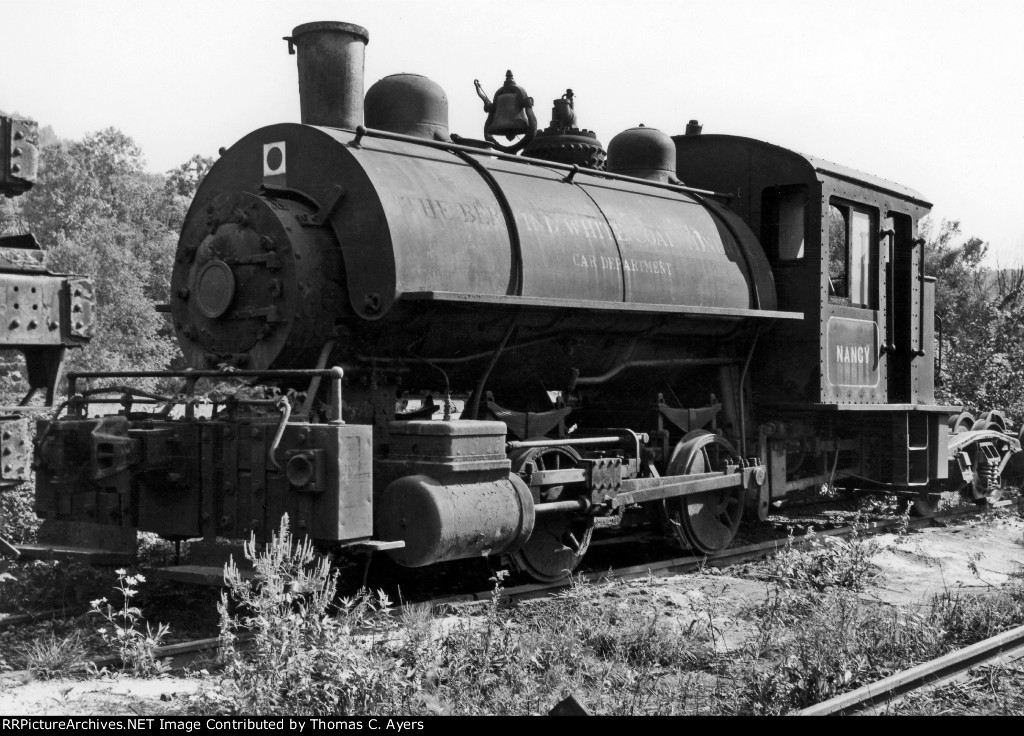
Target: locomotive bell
(510,114)
(509,117)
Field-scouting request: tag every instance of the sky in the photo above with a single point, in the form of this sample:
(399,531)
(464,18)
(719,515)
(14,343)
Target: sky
(927,93)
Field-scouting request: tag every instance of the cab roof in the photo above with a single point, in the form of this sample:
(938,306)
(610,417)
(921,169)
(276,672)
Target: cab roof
(769,154)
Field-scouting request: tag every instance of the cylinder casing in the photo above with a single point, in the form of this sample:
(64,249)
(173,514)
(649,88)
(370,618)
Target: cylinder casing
(440,523)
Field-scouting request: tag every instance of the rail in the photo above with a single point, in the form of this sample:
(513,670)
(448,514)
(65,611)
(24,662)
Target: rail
(1008,645)
(692,563)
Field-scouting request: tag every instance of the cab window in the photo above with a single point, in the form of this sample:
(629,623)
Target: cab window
(852,264)
(782,222)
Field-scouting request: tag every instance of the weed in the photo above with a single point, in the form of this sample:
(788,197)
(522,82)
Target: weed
(586,641)
(300,657)
(483,658)
(833,647)
(904,524)
(773,618)
(825,562)
(136,648)
(642,642)
(52,655)
(838,643)
(827,490)
(959,620)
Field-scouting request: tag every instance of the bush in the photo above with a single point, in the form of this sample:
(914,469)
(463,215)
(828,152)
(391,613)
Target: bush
(304,654)
(826,562)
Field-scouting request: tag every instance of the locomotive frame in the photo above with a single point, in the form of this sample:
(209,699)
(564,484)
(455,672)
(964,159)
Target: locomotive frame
(765,328)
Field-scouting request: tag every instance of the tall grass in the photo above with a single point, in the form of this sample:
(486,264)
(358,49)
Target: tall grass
(817,637)
(50,654)
(813,637)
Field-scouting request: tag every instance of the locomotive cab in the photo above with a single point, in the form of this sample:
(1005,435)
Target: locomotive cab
(844,251)
(853,383)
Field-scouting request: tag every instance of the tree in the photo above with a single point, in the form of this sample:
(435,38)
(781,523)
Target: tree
(181,186)
(185,180)
(100,214)
(982,316)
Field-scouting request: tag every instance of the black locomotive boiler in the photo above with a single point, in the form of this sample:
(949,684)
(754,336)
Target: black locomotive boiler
(683,329)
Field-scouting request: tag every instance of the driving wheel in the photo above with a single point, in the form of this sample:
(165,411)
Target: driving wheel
(559,540)
(704,522)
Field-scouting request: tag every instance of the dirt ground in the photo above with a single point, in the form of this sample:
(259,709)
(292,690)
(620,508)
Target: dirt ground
(970,556)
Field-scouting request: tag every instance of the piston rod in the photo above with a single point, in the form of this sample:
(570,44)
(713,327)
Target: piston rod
(559,507)
(564,443)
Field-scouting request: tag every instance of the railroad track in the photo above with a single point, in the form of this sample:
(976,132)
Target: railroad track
(180,655)
(734,556)
(185,653)
(1000,649)
(20,619)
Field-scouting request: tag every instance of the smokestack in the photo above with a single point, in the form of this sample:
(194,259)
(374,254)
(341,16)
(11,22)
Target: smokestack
(330,61)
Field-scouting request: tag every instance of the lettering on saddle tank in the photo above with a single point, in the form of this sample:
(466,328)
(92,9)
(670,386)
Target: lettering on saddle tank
(469,213)
(685,238)
(609,263)
(591,228)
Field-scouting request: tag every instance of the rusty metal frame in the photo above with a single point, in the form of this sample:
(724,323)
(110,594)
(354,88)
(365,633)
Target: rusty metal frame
(642,490)
(336,373)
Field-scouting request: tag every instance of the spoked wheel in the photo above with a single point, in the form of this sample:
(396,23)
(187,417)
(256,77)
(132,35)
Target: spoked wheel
(559,540)
(705,522)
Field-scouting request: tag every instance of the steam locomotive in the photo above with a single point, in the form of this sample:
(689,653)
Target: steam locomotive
(682,330)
